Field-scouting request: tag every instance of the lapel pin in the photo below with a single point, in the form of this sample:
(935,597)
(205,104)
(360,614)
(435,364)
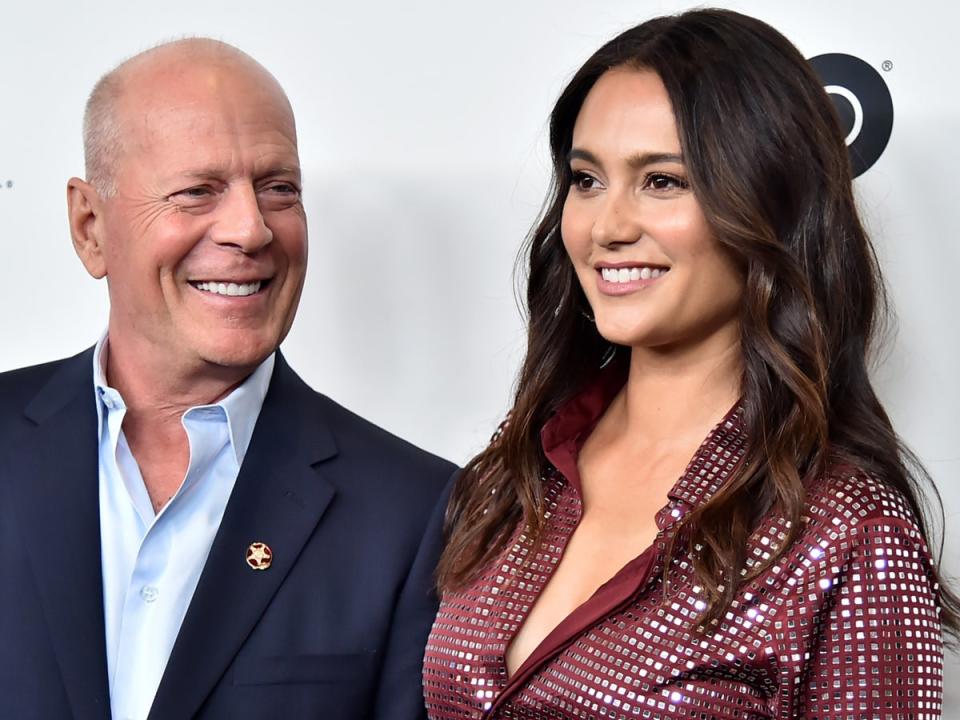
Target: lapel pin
(259,556)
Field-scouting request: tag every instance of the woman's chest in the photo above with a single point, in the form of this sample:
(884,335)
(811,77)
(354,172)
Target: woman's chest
(645,659)
(628,651)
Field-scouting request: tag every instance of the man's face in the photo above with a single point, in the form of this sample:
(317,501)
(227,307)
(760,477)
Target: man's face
(205,241)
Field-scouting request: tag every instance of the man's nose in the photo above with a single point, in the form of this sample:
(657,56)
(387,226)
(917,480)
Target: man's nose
(240,222)
(618,220)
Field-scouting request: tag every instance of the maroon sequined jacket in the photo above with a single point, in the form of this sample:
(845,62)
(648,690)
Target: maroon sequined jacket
(845,625)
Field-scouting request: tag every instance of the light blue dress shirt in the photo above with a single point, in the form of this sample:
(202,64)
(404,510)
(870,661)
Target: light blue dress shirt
(152,561)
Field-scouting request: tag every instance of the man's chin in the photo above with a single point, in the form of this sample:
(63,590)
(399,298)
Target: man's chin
(239,356)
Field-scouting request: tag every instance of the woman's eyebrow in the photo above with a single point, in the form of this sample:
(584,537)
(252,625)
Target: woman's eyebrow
(651,158)
(636,161)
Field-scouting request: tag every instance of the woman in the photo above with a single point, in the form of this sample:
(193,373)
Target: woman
(700,272)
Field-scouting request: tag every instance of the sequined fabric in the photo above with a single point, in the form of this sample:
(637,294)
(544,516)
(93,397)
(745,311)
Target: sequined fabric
(844,626)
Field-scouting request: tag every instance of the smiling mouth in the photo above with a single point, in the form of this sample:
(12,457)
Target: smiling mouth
(230,289)
(631,274)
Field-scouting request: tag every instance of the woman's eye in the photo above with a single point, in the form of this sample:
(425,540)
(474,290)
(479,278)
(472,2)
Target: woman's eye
(584,182)
(662,182)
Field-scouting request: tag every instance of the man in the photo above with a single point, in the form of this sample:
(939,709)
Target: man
(187,528)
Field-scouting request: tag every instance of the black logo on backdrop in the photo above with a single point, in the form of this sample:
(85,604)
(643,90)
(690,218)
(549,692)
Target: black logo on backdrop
(863,102)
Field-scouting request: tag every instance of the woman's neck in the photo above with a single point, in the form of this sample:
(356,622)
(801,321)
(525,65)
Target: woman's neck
(670,392)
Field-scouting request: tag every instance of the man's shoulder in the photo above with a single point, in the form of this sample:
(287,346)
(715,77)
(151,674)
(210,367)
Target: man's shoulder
(22,380)
(375,451)
(20,386)
(357,434)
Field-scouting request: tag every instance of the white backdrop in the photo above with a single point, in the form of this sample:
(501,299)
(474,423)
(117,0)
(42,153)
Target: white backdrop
(423,141)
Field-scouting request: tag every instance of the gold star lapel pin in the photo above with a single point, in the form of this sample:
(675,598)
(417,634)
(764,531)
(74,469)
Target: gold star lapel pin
(259,556)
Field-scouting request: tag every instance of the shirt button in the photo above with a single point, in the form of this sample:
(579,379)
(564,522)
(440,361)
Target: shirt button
(149,593)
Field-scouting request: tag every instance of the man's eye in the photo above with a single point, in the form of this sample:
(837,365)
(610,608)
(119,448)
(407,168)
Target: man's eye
(283,188)
(279,196)
(194,193)
(664,181)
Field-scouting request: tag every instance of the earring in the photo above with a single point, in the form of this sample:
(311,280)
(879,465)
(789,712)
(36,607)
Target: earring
(608,356)
(559,307)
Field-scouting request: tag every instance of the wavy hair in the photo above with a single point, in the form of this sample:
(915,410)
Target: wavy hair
(767,161)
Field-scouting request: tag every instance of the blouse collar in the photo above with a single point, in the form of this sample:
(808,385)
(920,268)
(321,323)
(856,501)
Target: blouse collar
(564,434)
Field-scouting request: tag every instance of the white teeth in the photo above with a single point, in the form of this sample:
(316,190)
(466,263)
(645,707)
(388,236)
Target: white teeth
(229,289)
(622,275)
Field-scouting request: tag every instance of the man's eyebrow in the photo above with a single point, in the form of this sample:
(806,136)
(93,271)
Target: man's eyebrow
(635,161)
(282,170)
(212,171)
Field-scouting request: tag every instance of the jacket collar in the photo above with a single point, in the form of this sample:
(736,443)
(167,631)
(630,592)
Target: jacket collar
(279,498)
(59,514)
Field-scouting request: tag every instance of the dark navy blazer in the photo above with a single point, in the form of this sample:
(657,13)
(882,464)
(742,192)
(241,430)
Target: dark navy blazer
(334,629)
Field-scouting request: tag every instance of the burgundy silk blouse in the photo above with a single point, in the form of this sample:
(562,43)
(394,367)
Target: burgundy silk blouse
(844,625)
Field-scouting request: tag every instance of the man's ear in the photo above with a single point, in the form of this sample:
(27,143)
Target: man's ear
(84,206)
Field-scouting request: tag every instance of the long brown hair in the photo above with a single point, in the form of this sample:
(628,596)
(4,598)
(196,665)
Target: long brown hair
(767,161)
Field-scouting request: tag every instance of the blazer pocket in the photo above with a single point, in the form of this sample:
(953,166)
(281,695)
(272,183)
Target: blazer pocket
(311,669)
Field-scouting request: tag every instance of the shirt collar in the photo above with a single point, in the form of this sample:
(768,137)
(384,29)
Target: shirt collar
(564,434)
(100,386)
(241,407)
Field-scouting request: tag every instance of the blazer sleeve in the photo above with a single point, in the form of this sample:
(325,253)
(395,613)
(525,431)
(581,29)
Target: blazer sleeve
(399,692)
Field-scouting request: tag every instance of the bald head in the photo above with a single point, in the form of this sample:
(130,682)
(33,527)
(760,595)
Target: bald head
(196,145)
(141,76)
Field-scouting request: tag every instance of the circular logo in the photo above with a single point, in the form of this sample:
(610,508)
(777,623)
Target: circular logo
(259,556)
(863,103)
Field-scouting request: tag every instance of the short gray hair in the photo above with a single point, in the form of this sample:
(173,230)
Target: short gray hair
(101,133)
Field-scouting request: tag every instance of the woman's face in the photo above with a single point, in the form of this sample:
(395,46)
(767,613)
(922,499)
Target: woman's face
(649,265)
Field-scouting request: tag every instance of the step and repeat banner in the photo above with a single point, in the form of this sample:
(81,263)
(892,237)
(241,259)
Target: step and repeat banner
(423,141)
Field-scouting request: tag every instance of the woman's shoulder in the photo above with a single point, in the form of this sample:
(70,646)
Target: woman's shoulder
(859,536)
(853,517)
(846,496)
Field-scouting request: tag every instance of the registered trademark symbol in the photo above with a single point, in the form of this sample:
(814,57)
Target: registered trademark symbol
(887,65)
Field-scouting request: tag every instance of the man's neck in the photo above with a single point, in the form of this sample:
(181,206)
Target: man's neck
(156,396)
(165,390)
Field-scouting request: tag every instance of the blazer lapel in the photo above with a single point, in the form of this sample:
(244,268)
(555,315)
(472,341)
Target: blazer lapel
(59,509)
(278,499)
